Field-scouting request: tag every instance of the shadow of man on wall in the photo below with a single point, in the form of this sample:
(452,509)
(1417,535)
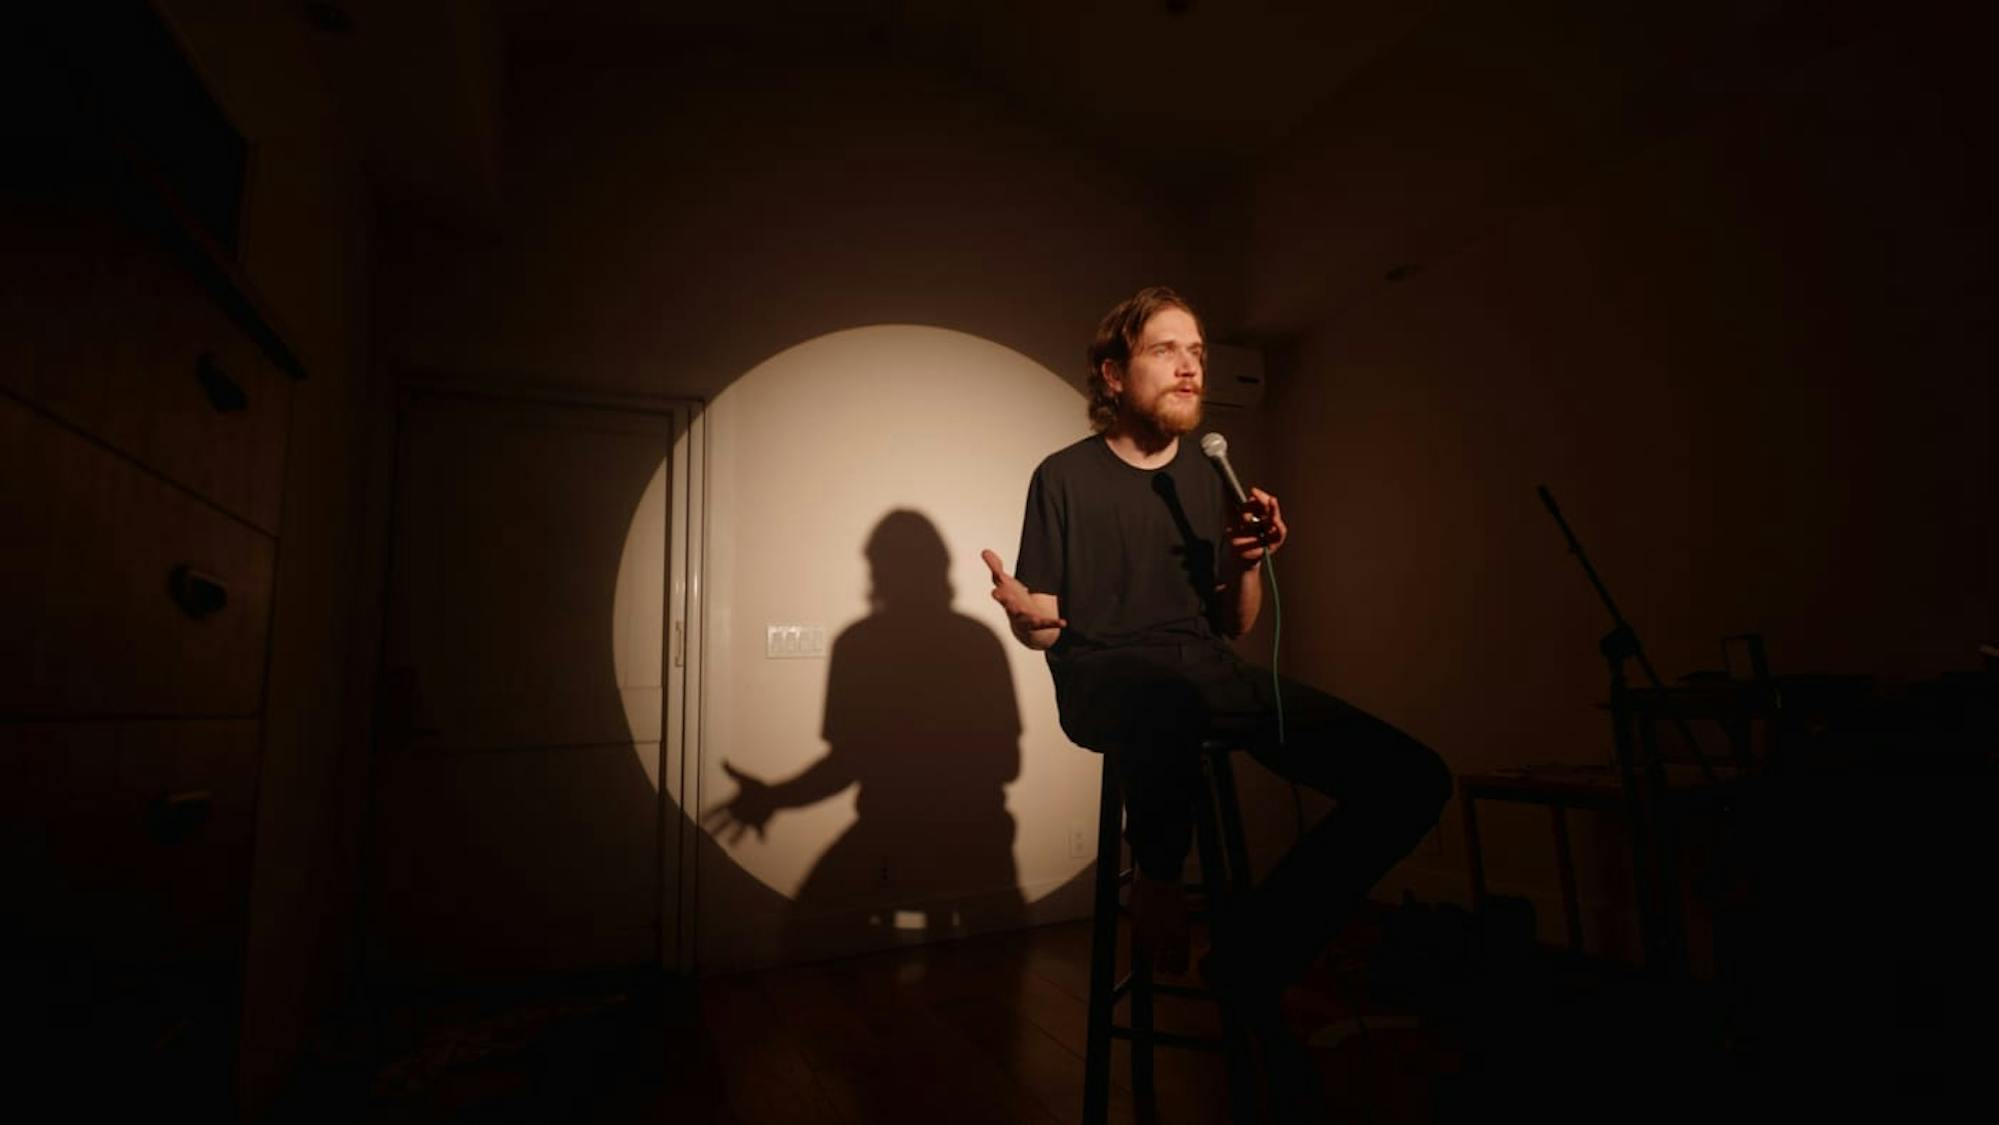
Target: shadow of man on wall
(921,715)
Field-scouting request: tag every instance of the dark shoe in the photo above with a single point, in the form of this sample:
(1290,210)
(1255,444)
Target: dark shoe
(1231,971)
(1290,1077)
(1297,1093)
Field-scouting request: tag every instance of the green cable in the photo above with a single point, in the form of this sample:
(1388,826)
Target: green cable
(1276,639)
(1277,684)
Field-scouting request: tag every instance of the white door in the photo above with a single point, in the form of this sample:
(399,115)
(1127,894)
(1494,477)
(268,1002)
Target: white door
(531,696)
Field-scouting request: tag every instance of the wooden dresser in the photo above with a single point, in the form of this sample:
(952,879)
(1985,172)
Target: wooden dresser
(144,407)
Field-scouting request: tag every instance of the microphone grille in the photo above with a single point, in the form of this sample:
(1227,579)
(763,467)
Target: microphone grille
(1214,444)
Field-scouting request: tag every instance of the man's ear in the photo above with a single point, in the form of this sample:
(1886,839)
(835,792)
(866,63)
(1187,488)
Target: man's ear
(1113,376)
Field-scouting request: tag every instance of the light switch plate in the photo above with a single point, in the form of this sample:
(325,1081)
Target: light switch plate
(794,642)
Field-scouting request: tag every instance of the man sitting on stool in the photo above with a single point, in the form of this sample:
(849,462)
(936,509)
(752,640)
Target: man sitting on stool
(1135,570)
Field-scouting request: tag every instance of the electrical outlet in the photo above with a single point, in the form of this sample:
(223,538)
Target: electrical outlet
(1079,840)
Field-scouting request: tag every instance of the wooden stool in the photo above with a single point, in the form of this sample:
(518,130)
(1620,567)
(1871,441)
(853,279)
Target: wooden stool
(1224,874)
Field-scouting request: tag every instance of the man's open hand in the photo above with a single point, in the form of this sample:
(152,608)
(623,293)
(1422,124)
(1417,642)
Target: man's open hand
(1028,612)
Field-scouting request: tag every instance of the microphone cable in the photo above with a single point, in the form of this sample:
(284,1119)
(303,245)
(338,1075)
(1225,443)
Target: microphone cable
(1276,637)
(1276,682)
(1216,448)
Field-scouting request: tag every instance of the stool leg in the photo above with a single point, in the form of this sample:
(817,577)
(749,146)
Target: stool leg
(1221,879)
(1235,844)
(1103,952)
(1474,849)
(1565,866)
(1217,881)
(1145,1095)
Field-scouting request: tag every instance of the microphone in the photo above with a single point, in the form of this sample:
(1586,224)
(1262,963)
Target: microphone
(1217,448)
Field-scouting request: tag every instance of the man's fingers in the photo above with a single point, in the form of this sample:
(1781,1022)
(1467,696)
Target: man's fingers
(1031,619)
(1251,547)
(1018,601)
(1273,512)
(993,564)
(1263,521)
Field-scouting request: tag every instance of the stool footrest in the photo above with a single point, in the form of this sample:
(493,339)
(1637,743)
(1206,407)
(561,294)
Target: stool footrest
(1122,989)
(1187,991)
(1166,1038)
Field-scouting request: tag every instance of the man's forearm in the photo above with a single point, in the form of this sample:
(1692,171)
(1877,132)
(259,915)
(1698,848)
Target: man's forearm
(1035,609)
(1242,600)
(1039,640)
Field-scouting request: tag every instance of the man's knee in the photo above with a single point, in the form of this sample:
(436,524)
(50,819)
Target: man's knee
(1414,789)
(1432,783)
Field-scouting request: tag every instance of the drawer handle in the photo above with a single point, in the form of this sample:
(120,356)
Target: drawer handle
(198,595)
(226,395)
(177,817)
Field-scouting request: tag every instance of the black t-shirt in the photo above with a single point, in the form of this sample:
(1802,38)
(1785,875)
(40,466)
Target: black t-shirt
(1132,553)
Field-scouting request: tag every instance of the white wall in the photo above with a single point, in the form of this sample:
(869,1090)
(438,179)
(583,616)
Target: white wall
(882,279)
(810,452)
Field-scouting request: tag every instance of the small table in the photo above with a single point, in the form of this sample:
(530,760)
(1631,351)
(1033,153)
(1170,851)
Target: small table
(1560,787)
(1786,705)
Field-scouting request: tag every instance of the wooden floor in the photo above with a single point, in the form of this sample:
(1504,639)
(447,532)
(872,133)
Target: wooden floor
(988,1029)
(991,1030)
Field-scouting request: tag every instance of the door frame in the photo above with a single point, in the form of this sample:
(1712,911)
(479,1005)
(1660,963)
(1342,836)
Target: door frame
(682,643)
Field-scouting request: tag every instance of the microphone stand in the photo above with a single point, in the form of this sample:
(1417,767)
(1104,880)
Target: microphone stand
(1659,906)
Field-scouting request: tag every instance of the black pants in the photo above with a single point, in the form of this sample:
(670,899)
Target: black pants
(1154,706)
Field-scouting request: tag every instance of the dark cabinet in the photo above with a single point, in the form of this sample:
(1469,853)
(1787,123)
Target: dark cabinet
(145,403)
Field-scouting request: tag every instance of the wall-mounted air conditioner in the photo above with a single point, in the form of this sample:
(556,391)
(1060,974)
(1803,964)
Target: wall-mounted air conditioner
(1235,376)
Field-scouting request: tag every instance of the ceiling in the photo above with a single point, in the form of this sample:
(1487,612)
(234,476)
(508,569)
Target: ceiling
(1391,131)
(1165,80)
(1186,91)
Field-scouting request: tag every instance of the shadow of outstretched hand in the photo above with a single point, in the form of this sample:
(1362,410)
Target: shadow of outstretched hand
(750,809)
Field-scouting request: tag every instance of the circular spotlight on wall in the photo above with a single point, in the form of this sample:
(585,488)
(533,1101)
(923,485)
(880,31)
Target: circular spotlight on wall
(872,746)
